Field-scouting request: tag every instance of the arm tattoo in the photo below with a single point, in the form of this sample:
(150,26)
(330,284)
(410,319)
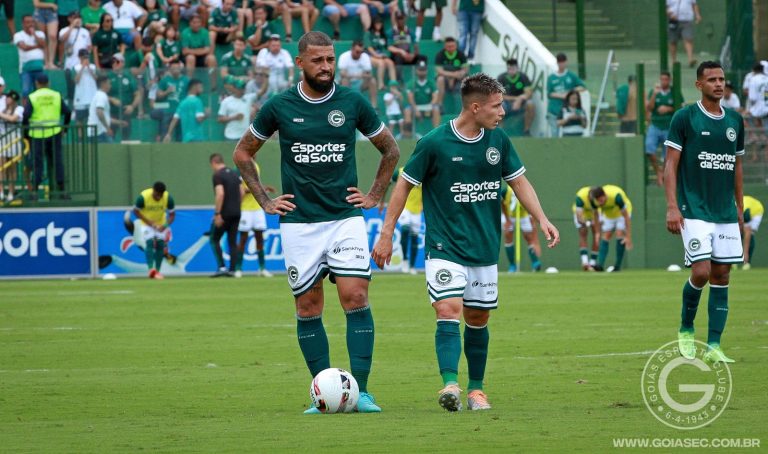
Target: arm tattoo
(243,156)
(390,154)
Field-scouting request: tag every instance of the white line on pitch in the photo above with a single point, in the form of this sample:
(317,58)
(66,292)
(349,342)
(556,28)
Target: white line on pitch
(104,292)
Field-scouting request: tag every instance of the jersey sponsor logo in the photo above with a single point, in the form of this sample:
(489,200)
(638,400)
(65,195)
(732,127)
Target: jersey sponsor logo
(704,133)
(492,155)
(694,244)
(298,120)
(336,118)
(475,192)
(293,274)
(339,249)
(730,133)
(483,284)
(723,236)
(308,153)
(457,159)
(716,161)
(443,277)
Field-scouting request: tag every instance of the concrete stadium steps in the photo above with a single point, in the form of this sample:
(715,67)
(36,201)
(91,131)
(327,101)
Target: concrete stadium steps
(600,32)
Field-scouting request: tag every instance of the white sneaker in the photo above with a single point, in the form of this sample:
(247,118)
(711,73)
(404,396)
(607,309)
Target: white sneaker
(405,268)
(238,274)
(436,34)
(413,271)
(265,273)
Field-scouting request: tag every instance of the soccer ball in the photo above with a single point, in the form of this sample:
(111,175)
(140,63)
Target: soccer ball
(334,391)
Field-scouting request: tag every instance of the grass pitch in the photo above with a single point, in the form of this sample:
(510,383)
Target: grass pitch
(213,365)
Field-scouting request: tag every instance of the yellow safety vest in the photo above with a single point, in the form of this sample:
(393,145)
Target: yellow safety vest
(154,210)
(46,111)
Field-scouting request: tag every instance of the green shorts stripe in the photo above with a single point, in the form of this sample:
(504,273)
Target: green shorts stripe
(446,296)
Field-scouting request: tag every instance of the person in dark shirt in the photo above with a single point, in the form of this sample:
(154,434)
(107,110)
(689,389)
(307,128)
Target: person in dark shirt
(517,94)
(226,187)
(452,67)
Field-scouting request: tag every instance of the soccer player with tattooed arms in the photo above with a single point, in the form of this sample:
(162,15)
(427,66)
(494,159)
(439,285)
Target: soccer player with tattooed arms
(321,223)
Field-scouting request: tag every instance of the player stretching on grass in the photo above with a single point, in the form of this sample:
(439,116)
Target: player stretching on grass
(587,222)
(155,208)
(460,166)
(703,186)
(321,224)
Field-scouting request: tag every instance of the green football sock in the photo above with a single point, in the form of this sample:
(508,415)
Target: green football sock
(149,254)
(751,247)
(240,258)
(448,348)
(603,253)
(620,248)
(159,254)
(405,233)
(510,249)
(313,343)
(691,296)
(476,351)
(414,250)
(360,335)
(262,261)
(532,255)
(718,312)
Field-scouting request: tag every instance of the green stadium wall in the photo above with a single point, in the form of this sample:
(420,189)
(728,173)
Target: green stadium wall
(557,169)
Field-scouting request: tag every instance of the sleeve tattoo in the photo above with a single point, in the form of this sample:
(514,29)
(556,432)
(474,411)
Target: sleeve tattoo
(390,154)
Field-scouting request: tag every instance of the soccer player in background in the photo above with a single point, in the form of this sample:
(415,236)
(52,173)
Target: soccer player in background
(703,187)
(321,223)
(527,226)
(460,166)
(226,217)
(156,209)
(615,216)
(252,219)
(586,218)
(410,225)
(753,215)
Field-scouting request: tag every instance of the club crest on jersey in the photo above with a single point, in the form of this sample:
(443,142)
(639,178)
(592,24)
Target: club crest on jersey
(293,274)
(730,133)
(443,276)
(336,118)
(492,155)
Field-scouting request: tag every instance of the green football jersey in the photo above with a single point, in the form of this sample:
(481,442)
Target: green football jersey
(235,66)
(708,146)
(170,49)
(123,87)
(461,183)
(221,19)
(422,92)
(187,112)
(180,84)
(560,84)
(659,120)
(317,147)
(192,40)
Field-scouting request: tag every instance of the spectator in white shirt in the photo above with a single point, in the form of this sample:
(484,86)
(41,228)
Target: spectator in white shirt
(98,112)
(681,16)
(85,86)
(236,111)
(129,19)
(32,54)
(730,99)
(11,114)
(72,39)
(279,62)
(356,70)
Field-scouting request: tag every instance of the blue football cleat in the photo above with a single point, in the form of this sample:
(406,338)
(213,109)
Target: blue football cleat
(312,411)
(367,404)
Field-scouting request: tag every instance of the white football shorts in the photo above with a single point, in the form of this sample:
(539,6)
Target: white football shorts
(611,224)
(315,250)
(525,224)
(252,220)
(476,285)
(412,220)
(720,243)
(754,222)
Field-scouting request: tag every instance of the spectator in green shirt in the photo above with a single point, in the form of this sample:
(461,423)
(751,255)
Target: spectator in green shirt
(167,98)
(223,24)
(168,49)
(660,106)
(196,47)
(191,114)
(91,14)
(558,86)
(235,63)
(258,34)
(125,95)
(106,42)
